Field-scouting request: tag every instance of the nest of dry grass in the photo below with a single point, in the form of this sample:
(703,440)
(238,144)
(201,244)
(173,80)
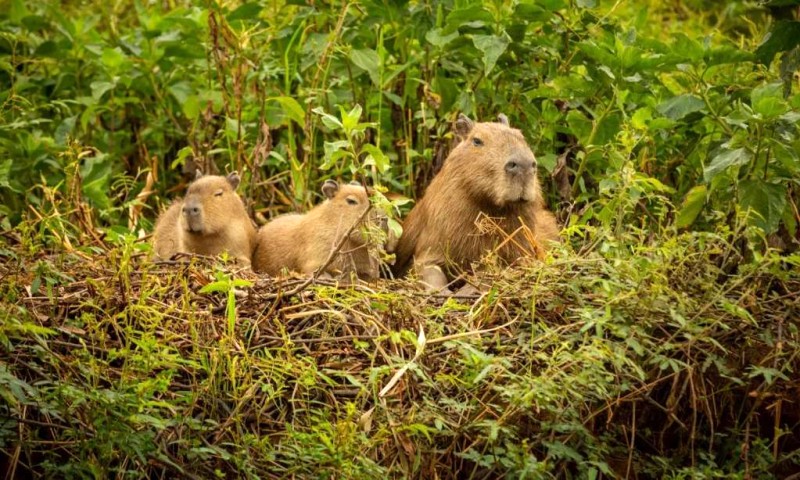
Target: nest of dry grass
(611,362)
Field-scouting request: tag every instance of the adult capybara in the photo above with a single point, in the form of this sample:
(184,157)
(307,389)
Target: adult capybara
(211,219)
(488,179)
(303,242)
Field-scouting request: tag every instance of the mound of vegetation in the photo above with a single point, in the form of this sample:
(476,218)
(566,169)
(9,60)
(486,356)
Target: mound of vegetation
(655,361)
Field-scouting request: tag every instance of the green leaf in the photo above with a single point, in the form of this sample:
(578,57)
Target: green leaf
(691,207)
(369,61)
(784,36)
(579,125)
(5,170)
(376,157)
(291,108)
(437,38)
(18,11)
(327,119)
(492,47)
(678,107)
(112,58)
(248,11)
(767,100)
(191,107)
(473,16)
(100,88)
(218,286)
(724,160)
(350,119)
(547,161)
(765,202)
(181,91)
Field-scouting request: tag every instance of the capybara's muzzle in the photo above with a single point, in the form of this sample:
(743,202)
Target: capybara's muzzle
(193,214)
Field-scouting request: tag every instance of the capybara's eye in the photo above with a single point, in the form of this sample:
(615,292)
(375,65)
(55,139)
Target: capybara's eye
(218,193)
(477,141)
(352,201)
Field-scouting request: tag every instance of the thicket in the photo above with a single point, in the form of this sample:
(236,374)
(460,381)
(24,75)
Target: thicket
(660,341)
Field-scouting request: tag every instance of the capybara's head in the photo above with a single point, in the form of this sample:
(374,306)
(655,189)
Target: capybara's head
(345,205)
(210,202)
(493,164)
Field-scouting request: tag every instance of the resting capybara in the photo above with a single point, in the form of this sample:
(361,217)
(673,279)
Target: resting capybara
(303,242)
(211,219)
(491,172)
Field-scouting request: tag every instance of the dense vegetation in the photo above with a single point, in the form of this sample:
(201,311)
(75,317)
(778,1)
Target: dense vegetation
(659,341)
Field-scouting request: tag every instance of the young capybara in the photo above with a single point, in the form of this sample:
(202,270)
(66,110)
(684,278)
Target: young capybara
(303,242)
(211,219)
(490,173)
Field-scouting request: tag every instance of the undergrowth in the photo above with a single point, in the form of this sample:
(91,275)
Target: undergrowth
(667,359)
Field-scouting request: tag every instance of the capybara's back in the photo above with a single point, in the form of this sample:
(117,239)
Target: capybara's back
(486,197)
(210,220)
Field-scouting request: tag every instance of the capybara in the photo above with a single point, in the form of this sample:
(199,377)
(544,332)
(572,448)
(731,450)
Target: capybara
(489,175)
(211,219)
(303,242)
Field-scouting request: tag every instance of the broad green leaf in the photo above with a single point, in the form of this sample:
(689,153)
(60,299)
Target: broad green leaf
(689,49)
(333,152)
(64,130)
(248,11)
(473,16)
(492,47)
(291,108)
(112,58)
(724,160)
(191,107)
(369,61)
(17,10)
(350,119)
(767,100)
(641,117)
(5,170)
(678,107)
(579,125)
(437,38)
(691,207)
(784,36)
(726,54)
(376,157)
(765,201)
(327,119)
(547,161)
(100,88)
(181,91)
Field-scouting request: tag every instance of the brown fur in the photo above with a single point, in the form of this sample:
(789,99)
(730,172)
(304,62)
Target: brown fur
(302,243)
(220,224)
(443,228)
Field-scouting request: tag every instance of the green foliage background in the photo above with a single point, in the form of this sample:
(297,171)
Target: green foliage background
(678,99)
(661,341)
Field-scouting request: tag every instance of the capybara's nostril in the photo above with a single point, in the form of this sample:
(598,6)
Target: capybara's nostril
(518,165)
(192,210)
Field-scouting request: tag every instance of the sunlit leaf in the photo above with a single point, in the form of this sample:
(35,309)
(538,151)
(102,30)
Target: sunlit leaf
(724,160)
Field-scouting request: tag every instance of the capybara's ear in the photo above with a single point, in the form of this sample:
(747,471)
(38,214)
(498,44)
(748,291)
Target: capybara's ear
(234,179)
(329,188)
(463,126)
(198,173)
(503,119)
